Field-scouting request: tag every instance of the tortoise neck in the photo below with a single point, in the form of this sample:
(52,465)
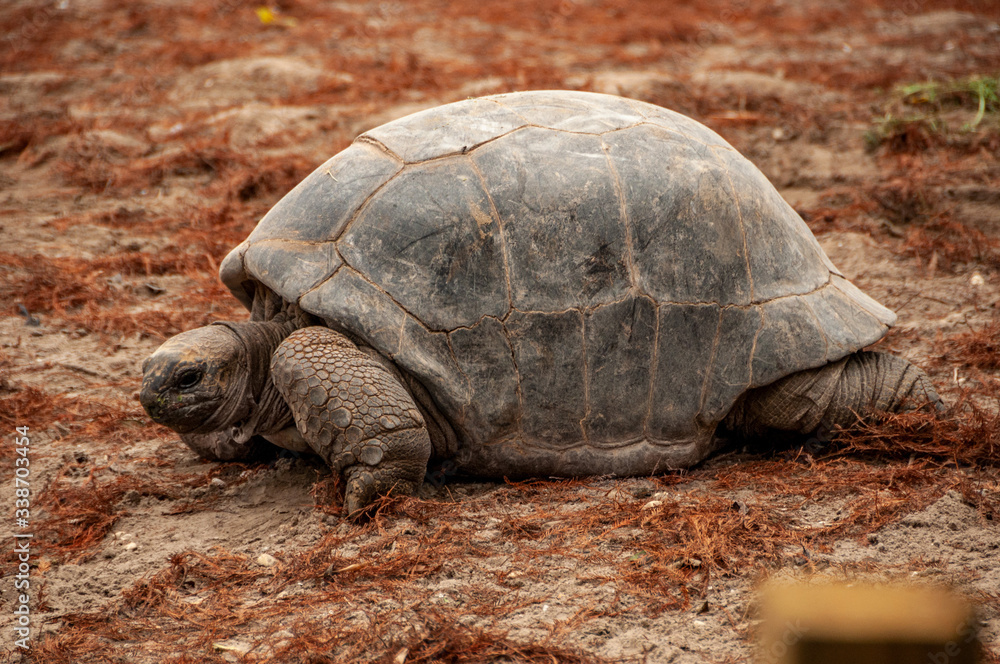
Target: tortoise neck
(268,411)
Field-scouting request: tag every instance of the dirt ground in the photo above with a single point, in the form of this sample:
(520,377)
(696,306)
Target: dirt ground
(139,142)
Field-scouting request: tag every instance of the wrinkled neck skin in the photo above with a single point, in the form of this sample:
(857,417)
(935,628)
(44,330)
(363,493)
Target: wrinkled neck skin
(259,408)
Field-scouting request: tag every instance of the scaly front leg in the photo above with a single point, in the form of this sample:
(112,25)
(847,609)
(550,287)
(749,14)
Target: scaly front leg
(353,413)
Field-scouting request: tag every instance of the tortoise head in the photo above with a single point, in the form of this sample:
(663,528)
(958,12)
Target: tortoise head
(197,381)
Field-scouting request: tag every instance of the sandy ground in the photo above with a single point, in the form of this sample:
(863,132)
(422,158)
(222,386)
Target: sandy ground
(140,142)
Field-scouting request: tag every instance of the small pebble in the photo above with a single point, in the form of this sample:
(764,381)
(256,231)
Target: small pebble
(267,560)
(131,546)
(232,646)
(216,482)
(977,279)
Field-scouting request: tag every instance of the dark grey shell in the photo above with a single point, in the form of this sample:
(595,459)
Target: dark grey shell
(584,283)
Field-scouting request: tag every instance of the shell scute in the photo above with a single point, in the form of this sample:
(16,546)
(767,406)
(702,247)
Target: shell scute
(431,134)
(548,353)
(569,111)
(620,341)
(687,240)
(318,208)
(430,241)
(560,218)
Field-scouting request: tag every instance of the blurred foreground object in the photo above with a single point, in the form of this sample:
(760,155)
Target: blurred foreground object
(822,623)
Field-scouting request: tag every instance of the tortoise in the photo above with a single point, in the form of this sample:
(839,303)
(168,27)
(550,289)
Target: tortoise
(531,284)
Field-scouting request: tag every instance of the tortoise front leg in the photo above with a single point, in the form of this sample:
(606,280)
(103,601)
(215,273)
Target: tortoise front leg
(353,413)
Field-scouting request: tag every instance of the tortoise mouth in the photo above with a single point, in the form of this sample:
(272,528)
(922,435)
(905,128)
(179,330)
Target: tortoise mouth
(184,413)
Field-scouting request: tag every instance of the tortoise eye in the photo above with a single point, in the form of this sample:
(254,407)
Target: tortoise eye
(189,379)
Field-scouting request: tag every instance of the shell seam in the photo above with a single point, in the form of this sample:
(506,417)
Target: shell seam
(583,310)
(753,348)
(819,326)
(649,123)
(323,281)
(364,204)
(623,209)
(653,370)
(739,215)
(710,365)
(469,149)
(364,277)
(517,373)
(849,324)
(586,379)
(468,381)
(503,236)
(466,150)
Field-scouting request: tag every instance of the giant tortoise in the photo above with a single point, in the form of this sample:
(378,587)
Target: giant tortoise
(529,284)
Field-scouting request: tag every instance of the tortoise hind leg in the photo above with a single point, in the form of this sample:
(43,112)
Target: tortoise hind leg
(353,413)
(836,394)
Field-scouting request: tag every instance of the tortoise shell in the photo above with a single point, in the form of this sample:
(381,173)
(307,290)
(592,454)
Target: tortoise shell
(583,283)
